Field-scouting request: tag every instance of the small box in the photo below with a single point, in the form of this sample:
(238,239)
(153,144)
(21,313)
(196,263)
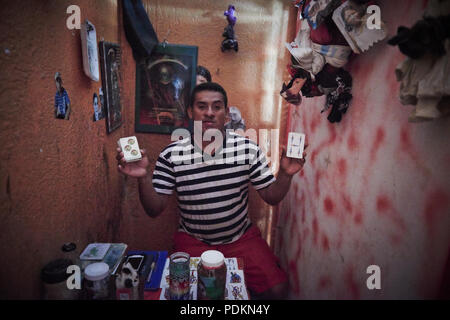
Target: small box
(296,144)
(130,149)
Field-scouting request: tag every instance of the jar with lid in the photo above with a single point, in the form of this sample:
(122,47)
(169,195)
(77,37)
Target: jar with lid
(96,281)
(212,274)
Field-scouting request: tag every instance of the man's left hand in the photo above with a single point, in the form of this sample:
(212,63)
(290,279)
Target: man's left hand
(291,166)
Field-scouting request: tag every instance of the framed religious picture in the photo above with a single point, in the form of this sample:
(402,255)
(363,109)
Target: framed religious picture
(110,60)
(164,82)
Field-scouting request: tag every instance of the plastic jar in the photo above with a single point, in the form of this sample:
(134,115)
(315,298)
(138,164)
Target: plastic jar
(96,281)
(212,274)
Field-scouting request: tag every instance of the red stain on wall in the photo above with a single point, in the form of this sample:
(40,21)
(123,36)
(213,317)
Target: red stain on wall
(347,203)
(315,228)
(328,205)
(385,208)
(358,218)
(342,167)
(324,283)
(352,143)
(378,140)
(406,144)
(436,205)
(325,243)
(351,284)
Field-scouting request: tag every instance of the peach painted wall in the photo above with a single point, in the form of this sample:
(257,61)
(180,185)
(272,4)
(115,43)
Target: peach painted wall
(58,179)
(374,191)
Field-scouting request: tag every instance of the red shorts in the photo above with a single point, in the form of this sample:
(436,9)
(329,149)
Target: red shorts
(261,269)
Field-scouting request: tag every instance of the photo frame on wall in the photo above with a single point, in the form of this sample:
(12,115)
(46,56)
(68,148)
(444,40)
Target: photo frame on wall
(164,82)
(110,60)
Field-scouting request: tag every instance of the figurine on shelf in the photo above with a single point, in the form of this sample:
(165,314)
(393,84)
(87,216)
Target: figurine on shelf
(230,42)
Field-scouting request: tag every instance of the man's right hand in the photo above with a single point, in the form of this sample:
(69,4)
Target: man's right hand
(137,169)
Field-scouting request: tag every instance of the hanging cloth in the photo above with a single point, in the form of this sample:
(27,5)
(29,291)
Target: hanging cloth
(138,29)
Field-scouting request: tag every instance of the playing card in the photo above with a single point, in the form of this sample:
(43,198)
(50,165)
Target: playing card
(231,263)
(236,292)
(296,144)
(235,276)
(130,149)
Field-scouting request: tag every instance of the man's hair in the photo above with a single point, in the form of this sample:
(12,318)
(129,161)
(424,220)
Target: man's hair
(209,86)
(202,71)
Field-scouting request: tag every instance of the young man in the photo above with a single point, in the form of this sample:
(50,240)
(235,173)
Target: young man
(212,190)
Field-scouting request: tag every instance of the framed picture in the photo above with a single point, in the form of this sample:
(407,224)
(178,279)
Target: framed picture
(164,82)
(110,60)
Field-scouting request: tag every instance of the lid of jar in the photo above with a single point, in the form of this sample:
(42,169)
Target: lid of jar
(96,271)
(212,258)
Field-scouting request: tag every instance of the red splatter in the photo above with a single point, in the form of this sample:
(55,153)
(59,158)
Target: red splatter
(314,123)
(325,243)
(347,203)
(383,204)
(358,218)
(378,140)
(324,282)
(317,177)
(315,227)
(342,167)
(384,207)
(406,144)
(351,283)
(329,205)
(436,204)
(352,143)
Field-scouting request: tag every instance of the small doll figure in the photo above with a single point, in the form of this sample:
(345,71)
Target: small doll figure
(229,42)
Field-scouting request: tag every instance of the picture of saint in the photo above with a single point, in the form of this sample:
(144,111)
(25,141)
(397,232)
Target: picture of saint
(62,101)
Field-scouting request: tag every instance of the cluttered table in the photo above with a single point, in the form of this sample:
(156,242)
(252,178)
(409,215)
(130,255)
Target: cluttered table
(140,274)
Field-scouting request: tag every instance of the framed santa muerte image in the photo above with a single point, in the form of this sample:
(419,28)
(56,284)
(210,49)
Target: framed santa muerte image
(164,82)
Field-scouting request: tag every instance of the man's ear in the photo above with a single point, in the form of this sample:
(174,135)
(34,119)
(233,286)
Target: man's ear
(189,112)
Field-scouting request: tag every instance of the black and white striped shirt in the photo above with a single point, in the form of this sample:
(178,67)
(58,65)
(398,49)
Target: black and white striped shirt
(212,192)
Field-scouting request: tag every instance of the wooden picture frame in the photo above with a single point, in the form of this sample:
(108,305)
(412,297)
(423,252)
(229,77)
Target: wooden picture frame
(164,82)
(110,60)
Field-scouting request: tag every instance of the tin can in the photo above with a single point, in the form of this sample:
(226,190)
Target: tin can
(179,288)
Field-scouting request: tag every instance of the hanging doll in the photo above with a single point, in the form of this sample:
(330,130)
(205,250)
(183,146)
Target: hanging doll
(230,42)
(423,75)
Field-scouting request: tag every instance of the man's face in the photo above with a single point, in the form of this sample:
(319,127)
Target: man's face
(209,108)
(201,79)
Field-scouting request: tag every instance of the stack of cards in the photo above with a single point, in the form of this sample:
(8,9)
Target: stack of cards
(296,144)
(130,149)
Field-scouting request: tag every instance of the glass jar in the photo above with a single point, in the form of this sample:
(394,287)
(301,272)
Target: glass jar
(179,276)
(96,281)
(212,274)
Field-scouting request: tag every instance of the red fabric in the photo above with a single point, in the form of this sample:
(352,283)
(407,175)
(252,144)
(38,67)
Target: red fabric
(261,268)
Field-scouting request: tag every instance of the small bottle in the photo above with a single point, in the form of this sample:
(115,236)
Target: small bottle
(212,274)
(96,281)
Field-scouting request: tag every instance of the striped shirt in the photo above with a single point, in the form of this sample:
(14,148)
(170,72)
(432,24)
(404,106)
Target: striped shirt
(212,192)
